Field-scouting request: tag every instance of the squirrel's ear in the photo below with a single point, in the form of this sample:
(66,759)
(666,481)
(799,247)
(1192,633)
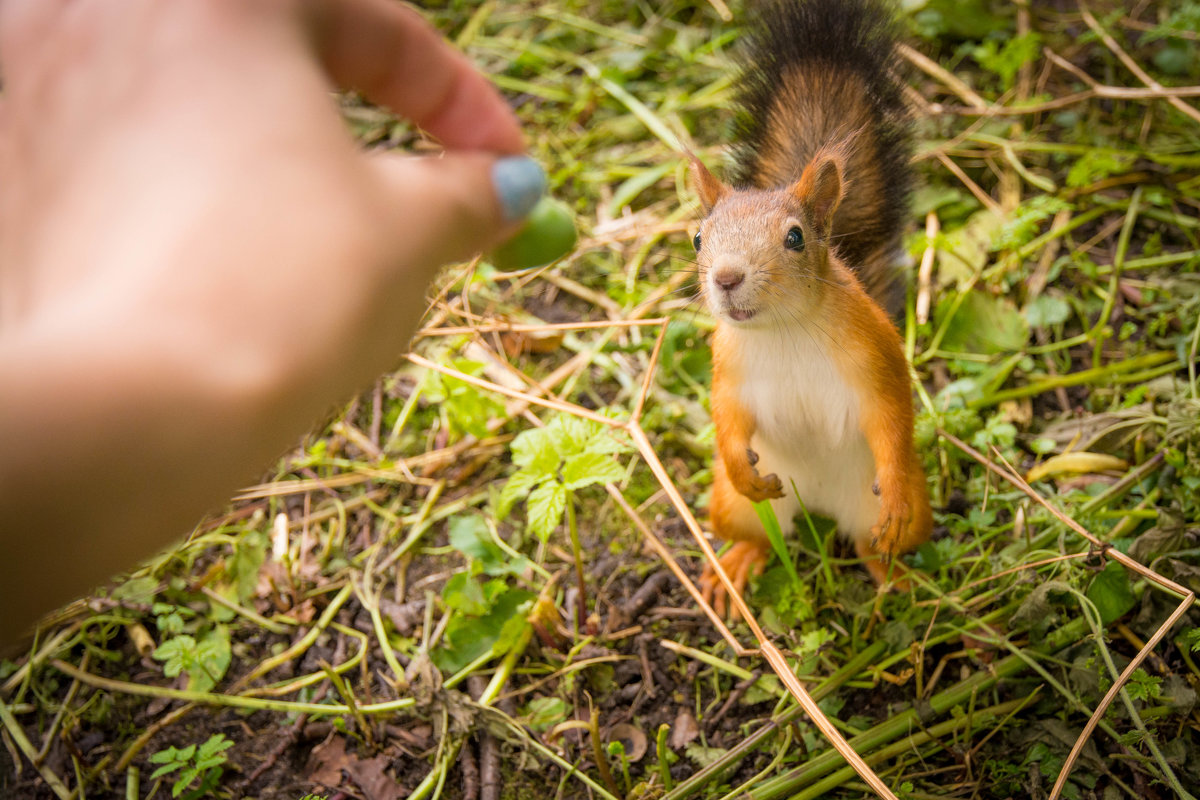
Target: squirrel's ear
(819,189)
(708,186)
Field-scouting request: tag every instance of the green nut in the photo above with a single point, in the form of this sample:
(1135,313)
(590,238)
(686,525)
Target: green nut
(548,234)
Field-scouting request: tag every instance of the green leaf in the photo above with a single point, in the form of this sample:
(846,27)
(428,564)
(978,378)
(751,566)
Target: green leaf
(1143,686)
(136,590)
(534,449)
(178,655)
(571,434)
(1007,60)
(213,654)
(585,469)
(463,593)
(518,486)
(173,755)
(212,752)
(249,552)
(984,324)
(968,247)
(1111,593)
(545,508)
(1026,221)
(468,637)
(543,713)
(469,536)
(609,441)
(1095,165)
(703,756)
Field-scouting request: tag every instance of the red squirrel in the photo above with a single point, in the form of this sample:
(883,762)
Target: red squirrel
(810,391)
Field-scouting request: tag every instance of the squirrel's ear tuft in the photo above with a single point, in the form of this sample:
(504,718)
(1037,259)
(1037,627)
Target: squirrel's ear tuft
(708,186)
(820,188)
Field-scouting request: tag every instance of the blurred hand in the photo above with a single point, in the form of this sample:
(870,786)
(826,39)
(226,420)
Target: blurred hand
(196,260)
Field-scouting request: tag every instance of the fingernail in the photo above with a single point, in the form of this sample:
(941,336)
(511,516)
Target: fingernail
(520,183)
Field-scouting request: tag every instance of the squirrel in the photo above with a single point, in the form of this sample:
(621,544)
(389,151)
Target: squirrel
(811,396)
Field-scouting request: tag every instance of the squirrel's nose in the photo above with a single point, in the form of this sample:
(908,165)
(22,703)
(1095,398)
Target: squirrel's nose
(728,278)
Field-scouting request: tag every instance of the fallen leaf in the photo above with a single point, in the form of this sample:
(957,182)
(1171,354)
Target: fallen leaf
(329,760)
(632,738)
(684,730)
(326,761)
(1079,462)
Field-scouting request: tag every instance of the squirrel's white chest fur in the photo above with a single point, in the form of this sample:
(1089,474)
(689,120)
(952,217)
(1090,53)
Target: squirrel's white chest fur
(807,419)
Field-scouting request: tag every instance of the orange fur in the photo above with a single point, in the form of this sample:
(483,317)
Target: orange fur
(801,295)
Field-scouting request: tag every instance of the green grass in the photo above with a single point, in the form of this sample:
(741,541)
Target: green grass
(405,579)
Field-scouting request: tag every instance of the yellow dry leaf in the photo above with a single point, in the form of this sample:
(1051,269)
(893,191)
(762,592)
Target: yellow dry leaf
(1075,463)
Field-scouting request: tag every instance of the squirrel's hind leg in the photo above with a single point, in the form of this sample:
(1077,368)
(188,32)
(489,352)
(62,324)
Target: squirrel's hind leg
(883,571)
(733,519)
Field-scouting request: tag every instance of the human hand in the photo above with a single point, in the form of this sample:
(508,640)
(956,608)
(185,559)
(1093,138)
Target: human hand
(196,260)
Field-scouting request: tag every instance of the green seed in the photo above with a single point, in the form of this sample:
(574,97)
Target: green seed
(548,234)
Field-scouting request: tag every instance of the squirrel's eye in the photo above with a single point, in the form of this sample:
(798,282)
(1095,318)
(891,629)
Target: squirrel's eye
(794,240)
(696,241)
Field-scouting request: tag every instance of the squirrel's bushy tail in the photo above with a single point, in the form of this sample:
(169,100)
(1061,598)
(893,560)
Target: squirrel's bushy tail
(819,72)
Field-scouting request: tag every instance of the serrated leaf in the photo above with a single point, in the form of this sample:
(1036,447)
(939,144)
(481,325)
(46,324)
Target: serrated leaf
(534,450)
(173,755)
(249,552)
(608,442)
(163,770)
(571,434)
(517,487)
(212,657)
(585,469)
(544,508)
(176,654)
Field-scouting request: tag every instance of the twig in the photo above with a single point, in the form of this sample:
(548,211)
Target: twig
(1132,65)
(935,70)
(925,273)
(234,700)
(557,405)
(1188,598)
(972,186)
(541,327)
(18,735)
(768,650)
(1111,695)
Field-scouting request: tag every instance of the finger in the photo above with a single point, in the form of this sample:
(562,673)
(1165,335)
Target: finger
(388,52)
(450,207)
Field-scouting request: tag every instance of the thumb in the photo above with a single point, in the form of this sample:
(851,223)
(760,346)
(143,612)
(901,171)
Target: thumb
(449,207)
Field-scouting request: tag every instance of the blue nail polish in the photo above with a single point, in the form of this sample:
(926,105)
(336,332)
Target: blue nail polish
(520,183)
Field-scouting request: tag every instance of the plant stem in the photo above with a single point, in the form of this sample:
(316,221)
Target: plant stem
(900,724)
(577,551)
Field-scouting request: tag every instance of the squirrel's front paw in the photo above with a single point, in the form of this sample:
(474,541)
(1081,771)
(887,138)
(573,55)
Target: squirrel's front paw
(759,487)
(765,487)
(891,533)
(748,482)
